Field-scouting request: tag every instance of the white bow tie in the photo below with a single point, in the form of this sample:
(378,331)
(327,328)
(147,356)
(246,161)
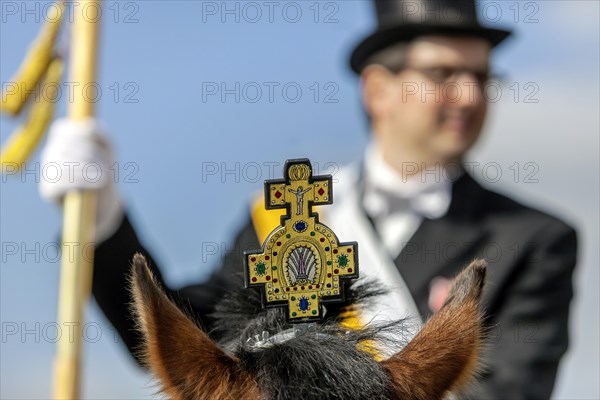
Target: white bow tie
(432,202)
(398,205)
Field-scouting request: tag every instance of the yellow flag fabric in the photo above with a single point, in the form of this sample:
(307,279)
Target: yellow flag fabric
(17,149)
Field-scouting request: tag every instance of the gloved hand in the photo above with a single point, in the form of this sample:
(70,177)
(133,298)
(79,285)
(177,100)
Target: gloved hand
(82,156)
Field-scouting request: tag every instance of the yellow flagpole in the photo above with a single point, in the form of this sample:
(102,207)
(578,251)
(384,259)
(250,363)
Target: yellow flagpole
(79,217)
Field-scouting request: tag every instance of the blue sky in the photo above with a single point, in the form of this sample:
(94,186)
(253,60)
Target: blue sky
(160,62)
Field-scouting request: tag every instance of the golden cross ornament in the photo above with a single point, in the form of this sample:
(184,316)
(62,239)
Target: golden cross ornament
(301,264)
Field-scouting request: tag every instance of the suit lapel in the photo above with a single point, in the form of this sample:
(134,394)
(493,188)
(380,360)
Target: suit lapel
(348,219)
(443,246)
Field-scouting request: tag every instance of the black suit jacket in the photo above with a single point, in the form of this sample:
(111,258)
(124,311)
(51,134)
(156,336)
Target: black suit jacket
(531,258)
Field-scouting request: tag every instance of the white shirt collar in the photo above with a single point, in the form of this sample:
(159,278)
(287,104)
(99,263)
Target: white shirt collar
(388,193)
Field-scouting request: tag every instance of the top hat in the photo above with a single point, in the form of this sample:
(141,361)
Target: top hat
(403,20)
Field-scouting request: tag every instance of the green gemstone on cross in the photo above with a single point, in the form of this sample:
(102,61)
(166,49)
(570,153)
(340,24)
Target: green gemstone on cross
(343,260)
(261,269)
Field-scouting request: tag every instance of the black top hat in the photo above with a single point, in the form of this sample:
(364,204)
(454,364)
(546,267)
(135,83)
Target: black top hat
(403,20)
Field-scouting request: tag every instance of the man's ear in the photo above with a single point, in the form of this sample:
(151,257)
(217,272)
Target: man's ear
(188,364)
(375,80)
(444,356)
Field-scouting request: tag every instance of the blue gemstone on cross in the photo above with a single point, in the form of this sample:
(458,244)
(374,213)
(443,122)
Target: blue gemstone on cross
(300,226)
(303,304)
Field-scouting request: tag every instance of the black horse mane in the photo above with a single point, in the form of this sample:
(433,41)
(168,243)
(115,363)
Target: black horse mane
(316,361)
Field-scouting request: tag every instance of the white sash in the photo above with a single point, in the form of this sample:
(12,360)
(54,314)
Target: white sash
(348,220)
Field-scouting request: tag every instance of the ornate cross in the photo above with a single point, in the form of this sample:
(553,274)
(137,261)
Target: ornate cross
(301,264)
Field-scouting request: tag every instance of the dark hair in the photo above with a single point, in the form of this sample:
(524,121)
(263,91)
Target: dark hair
(392,57)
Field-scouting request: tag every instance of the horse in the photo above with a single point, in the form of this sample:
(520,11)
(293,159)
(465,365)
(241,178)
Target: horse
(259,355)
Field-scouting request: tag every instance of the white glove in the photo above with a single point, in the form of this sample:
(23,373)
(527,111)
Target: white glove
(81,155)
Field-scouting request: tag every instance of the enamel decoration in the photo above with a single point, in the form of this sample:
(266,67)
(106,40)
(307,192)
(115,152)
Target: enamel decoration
(302,264)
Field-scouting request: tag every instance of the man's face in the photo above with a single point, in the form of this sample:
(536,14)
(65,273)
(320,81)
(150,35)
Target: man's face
(433,109)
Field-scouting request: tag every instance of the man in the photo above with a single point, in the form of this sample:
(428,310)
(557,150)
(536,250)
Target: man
(417,215)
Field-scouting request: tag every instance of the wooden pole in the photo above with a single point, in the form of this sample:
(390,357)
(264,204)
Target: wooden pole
(79,219)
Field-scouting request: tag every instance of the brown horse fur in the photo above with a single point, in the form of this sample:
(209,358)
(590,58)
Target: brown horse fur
(187,362)
(443,357)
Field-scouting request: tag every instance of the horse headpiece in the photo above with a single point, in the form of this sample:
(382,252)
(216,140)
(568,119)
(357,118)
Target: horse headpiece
(301,264)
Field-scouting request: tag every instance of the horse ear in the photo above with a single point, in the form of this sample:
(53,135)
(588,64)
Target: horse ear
(444,356)
(188,364)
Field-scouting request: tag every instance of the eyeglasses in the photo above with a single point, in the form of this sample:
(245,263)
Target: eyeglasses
(446,74)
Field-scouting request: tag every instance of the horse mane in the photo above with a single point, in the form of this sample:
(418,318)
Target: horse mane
(239,316)
(344,370)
